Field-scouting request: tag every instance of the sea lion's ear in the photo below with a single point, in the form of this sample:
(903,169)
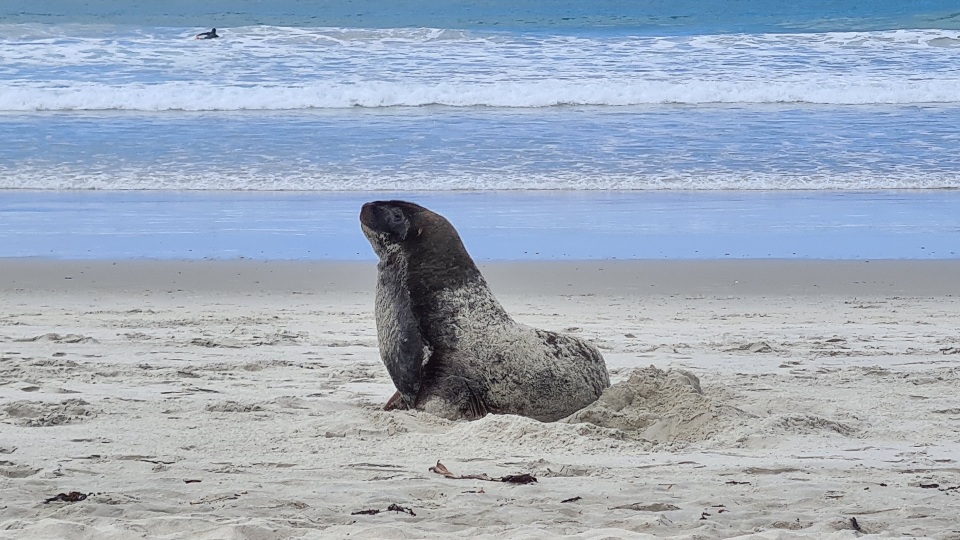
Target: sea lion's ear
(395,222)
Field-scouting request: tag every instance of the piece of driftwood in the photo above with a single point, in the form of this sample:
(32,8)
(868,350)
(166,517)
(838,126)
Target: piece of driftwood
(523,478)
(651,507)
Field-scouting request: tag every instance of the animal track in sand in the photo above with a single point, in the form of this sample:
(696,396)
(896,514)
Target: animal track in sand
(57,338)
(9,469)
(39,414)
(230,406)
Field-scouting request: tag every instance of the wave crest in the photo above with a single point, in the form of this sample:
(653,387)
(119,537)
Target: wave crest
(176,96)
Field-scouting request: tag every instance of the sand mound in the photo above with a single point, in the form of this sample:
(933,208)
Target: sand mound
(660,406)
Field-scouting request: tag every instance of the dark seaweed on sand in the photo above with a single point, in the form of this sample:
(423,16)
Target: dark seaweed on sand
(73,496)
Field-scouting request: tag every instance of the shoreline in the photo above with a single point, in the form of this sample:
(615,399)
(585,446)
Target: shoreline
(924,277)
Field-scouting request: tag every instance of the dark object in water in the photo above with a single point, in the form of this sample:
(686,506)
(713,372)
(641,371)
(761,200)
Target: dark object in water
(212,34)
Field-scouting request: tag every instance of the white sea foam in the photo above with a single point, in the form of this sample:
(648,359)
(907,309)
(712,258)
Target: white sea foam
(176,96)
(65,177)
(270,68)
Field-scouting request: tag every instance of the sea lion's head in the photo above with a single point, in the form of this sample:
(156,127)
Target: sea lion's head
(424,237)
(389,224)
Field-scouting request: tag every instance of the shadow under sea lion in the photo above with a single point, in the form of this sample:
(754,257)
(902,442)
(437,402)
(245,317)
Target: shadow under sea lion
(448,345)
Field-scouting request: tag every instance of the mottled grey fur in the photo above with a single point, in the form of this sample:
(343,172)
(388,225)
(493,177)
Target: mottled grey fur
(448,345)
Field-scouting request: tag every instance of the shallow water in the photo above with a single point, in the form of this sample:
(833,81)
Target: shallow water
(573,148)
(494,225)
(681,129)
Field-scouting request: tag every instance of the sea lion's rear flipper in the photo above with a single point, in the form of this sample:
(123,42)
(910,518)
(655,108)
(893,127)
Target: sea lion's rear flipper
(454,398)
(403,349)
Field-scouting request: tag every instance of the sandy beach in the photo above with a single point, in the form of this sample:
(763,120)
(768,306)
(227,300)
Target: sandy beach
(761,399)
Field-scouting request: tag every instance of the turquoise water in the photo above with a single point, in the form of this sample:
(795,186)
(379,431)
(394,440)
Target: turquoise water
(771,103)
(633,16)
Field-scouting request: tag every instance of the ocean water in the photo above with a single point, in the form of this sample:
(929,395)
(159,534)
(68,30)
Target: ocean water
(766,102)
(494,225)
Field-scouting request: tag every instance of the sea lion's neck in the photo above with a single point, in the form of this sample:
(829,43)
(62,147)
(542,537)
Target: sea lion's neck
(449,286)
(462,313)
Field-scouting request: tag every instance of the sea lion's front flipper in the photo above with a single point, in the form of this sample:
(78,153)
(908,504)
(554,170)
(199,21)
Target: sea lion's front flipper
(395,403)
(402,347)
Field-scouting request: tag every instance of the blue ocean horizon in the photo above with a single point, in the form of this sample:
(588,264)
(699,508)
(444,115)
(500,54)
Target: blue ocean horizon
(659,130)
(632,16)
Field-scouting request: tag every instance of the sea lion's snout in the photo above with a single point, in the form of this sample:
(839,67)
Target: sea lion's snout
(367,214)
(385,218)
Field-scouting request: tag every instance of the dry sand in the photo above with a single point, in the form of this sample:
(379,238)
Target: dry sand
(208,400)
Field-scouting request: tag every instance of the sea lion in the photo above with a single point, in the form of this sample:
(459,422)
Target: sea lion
(448,345)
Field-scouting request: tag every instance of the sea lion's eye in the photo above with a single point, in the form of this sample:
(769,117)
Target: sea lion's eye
(396,223)
(396,216)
